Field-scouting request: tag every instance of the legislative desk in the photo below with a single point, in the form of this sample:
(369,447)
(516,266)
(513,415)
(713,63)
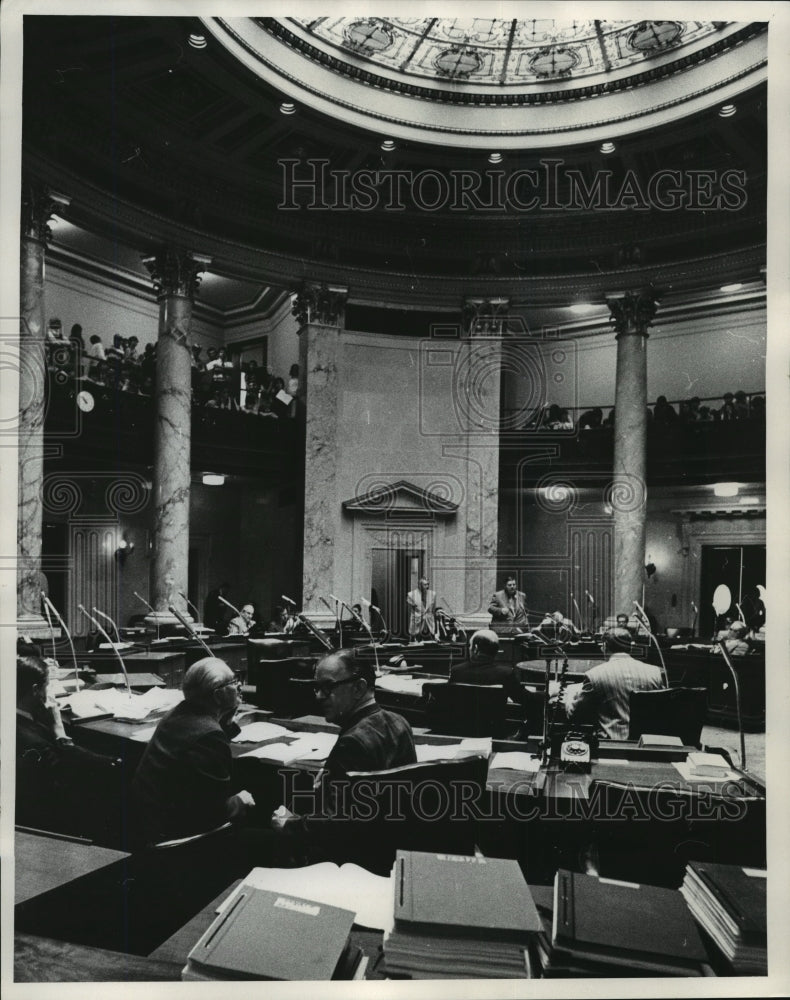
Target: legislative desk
(632,800)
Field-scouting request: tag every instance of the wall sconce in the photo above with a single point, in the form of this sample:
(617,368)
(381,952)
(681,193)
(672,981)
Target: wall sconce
(125,548)
(650,569)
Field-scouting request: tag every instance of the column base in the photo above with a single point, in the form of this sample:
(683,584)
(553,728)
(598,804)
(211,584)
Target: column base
(36,627)
(473,622)
(160,618)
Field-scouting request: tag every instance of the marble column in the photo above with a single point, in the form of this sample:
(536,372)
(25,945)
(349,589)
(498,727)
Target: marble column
(320,311)
(175,275)
(38,206)
(631,315)
(480,374)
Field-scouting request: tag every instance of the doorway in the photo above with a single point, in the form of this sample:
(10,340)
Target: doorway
(742,569)
(394,573)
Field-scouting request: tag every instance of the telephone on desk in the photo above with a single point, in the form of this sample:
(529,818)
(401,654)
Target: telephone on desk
(573,748)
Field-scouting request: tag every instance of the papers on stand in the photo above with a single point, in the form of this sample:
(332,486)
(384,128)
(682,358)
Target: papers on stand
(516,760)
(256,732)
(348,887)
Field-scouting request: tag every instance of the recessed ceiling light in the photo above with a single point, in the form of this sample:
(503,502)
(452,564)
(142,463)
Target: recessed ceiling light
(494,157)
(607,147)
(727,110)
(212,479)
(387,145)
(733,287)
(725,489)
(198,41)
(287,108)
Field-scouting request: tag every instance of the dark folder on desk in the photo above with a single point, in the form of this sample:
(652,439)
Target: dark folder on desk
(641,926)
(741,895)
(268,935)
(450,893)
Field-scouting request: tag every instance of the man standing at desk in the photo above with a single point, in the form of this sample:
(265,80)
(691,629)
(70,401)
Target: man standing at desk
(604,696)
(508,609)
(183,784)
(422,611)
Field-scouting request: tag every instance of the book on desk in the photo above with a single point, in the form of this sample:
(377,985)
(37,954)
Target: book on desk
(272,936)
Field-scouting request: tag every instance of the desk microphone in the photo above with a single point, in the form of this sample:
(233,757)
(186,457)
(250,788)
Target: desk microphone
(288,599)
(51,607)
(112,645)
(107,617)
(150,609)
(49,622)
(190,605)
(231,606)
(737,687)
(190,631)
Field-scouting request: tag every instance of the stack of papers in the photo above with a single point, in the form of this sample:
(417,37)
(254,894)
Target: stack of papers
(449,751)
(308,746)
(459,917)
(516,760)
(257,732)
(729,903)
(120,705)
(401,683)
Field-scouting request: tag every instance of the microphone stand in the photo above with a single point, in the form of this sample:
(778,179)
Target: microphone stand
(112,644)
(737,687)
(645,622)
(338,619)
(190,605)
(49,604)
(51,629)
(190,631)
(367,628)
(97,612)
(559,650)
(694,624)
(151,610)
(311,628)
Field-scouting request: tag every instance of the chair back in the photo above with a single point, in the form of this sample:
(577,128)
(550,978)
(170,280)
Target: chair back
(669,712)
(465,709)
(430,807)
(284,686)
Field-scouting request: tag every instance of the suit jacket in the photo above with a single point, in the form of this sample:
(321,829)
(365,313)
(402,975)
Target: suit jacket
(489,672)
(183,782)
(422,616)
(503,615)
(58,784)
(605,694)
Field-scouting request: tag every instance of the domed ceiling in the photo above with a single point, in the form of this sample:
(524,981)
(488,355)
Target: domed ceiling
(437,80)
(240,139)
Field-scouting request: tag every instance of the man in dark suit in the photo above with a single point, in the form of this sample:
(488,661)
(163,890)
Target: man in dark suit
(370,739)
(482,668)
(508,609)
(183,783)
(59,786)
(604,696)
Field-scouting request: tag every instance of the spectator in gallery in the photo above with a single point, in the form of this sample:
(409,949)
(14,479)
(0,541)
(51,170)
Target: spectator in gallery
(664,413)
(609,421)
(293,381)
(55,332)
(75,338)
(198,364)
(727,411)
(741,404)
(98,358)
(757,409)
(591,420)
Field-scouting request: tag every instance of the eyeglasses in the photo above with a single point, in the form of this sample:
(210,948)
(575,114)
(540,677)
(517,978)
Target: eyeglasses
(324,688)
(236,682)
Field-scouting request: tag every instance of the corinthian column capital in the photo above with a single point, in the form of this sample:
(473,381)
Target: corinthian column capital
(39,204)
(176,272)
(632,312)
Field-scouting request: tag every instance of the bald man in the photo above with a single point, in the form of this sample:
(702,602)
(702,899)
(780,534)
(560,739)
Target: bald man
(183,784)
(482,668)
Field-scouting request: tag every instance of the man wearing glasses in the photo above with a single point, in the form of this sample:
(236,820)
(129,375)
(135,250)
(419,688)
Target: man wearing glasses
(183,784)
(371,738)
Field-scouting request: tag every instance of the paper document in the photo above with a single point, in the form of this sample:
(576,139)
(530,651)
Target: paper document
(348,887)
(516,760)
(684,769)
(309,746)
(255,732)
(402,683)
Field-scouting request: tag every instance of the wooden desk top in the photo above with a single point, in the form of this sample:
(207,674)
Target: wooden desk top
(44,862)
(42,960)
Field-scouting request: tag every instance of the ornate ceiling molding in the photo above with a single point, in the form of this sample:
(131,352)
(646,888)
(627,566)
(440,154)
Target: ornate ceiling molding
(455,113)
